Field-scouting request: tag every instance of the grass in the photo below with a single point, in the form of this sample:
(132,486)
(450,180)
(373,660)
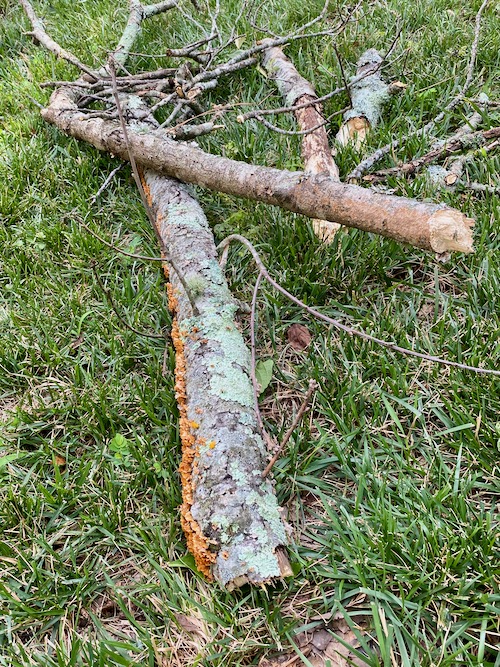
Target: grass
(390,484)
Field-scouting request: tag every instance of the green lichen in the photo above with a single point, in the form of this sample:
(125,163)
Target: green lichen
(181,216)
(260,561)
(237,473)
(196,285)
(371,94)
(268,509)
(229,379)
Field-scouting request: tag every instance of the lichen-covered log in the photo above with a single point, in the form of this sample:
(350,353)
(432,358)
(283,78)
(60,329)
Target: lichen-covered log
(368,93)
(429,226)
(229,513)
(316,152)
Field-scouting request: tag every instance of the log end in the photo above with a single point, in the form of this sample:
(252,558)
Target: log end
(325,230)
(450,230)
(253,577)
(354,129)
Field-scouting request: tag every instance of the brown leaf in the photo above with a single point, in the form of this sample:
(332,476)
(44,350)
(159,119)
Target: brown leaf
(282,660)
(190,624)
(59,461)
(397,87)
(321,639)
(299,337)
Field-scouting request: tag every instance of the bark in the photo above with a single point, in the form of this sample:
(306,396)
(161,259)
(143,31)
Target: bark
(429,226)
(316,151)
(229,513)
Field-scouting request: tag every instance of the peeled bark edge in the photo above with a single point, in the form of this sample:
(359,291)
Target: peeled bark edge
(315,148)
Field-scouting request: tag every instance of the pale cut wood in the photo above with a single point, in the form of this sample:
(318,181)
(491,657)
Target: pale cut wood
(368,93)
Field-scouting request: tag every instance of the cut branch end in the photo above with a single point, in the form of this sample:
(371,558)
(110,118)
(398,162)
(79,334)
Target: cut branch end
(451,230)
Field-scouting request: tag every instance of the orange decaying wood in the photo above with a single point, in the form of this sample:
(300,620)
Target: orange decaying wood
(197,543)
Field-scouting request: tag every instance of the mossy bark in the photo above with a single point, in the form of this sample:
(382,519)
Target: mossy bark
(368,93)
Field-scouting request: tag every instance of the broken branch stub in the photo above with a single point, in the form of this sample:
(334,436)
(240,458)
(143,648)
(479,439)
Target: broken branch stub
(229,513)
(315,196)
(368,93)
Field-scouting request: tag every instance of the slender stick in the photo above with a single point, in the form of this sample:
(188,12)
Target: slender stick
(137,178)
(343,327)
(265,434)
(108,180)
(107,293)
(313,385)
(51,45)
(144,258)
(372,159)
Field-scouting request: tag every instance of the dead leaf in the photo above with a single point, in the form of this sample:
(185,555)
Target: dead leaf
(397,87)
(321,639)
(323,647)
(59,461)
(299,337)
(281,660)
(190,624)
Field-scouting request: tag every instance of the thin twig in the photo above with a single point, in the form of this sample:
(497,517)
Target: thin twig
(313,385)
(455,143)
(342,72)
(143,258)
(158,8)
(115,310)
(377,155)
(257,113)
(40,34)
(108,180)
(299,133)
(265,434)
(481,187)
(343,327)
(140,187)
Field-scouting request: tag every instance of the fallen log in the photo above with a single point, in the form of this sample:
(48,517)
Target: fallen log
(429,226)
(229,514)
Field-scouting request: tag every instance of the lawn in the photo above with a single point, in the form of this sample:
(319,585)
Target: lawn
(391,482)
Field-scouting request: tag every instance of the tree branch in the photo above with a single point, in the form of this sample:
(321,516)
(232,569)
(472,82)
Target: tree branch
(429,226)
(372,159)
(41,36)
